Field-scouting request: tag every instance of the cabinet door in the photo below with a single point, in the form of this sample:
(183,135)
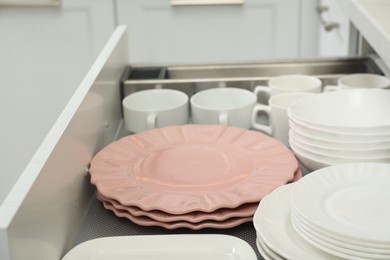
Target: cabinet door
(333,42)
(257,29)
(45,53)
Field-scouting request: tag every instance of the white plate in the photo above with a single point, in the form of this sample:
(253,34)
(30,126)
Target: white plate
(160,247)
(267,252)
(349,200)
(341,241)
(333,248)
(263,252)
(272,222)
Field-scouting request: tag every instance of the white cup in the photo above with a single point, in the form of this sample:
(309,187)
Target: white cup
(223,106)
(277,125)
(289,83)
(360,80)
(155,108)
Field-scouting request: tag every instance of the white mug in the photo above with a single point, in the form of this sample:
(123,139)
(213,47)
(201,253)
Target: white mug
(277,125)
(360,80)
(223,106)
(289,83)
(155,108)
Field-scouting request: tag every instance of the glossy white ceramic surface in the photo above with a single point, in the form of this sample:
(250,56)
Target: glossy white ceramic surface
(333,250)
(223,106)
(155,108)
(276,110)
(289,83)
(340,152)
(350,247)
(272,222)
(351,111)
(346,134)
(360,80)
(311,162)
(167,247)
(349,200)
(340,144)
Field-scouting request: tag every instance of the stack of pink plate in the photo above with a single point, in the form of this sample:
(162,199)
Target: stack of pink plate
(191,176)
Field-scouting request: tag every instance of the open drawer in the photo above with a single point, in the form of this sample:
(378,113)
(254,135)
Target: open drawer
(52,207)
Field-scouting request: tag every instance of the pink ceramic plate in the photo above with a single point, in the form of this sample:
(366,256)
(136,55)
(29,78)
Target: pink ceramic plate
(245,210)
(146,221)
(181,169)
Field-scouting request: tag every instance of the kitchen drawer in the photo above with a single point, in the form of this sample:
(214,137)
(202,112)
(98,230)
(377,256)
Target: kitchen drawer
(52,207)
(175,32)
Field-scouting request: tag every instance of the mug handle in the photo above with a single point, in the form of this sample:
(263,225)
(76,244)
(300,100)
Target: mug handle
(151,121)
(264,128)
(331,88)
(263,90)
(223,118)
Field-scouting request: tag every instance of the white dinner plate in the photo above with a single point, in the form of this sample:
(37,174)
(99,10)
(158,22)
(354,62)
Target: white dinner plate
(339,240)
(272,222)
(349,200)
(335,249)
(262,251)
(163,247)
(267,252)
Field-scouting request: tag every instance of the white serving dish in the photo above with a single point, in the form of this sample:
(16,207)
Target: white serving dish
(169,247)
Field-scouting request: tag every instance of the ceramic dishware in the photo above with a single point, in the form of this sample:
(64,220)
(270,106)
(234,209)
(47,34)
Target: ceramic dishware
(347,200)
(155,108)
(277,125)
(289,83)
(352,152)
(360,80)
(173,247)
(223,106)
(214,167)
(350,112)
(332,143)
(273,225)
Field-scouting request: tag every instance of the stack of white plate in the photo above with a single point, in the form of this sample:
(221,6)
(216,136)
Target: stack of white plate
(341,127)
(338,212)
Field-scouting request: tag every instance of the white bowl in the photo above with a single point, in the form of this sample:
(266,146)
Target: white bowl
(357,152)
(308,161)
(337,137)
(331,143)
(354,110)
(334,159)
(343,132)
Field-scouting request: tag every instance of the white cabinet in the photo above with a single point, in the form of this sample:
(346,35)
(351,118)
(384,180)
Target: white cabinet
(334,31)
(45,53)
(257,29)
